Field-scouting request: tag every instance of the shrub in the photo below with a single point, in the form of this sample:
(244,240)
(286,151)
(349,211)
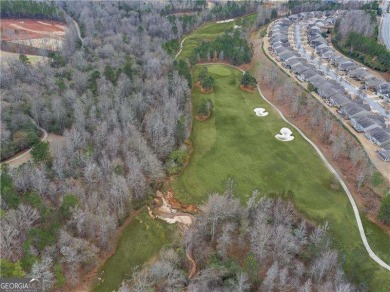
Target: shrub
(205,107)
(248,80)
(70,201)
(311,87)
(176,160)
(24,59)
(40,152)
(8,193)
(10,269)
(376,179)
(233,44)
(384,213)
(206,81)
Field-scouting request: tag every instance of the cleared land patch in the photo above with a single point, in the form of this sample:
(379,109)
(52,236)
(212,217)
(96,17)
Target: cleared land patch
(22,29)
(40,34)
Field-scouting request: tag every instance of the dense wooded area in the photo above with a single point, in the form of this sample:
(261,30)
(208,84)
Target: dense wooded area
(232,46)
(30,9)
(263,246)
(356,36)
(122,108)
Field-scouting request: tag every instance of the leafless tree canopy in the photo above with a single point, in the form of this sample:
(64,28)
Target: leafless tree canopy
(358,21)
(235,246)
(118,128)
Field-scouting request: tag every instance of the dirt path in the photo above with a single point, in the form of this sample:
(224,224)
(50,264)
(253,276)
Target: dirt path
(78,32)
(56,35)
(181,47)
(25,155)
(193,268)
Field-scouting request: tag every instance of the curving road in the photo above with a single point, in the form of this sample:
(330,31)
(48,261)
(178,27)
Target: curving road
(78,32)
(16,160)
(181,47)
(385,31)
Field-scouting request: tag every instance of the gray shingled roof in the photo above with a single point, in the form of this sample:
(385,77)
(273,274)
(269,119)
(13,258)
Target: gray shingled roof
(380,135)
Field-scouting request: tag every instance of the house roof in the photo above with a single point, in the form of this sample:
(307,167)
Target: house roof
(322,46)
(384,154)
(365,122)
(327,91)
(295,60)
(308,73)
(340,99)
(357,72)
(352,108)
(286,54)
(374,82)
(323,50)
(380,135)
(384,85)
(316,80)
(299,67)
(282,50)
(328,54)
(348,66)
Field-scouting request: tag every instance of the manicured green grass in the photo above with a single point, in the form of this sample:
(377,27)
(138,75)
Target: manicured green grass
(209,32)
(219,70)
(206,32)
(235,143)
(141,240)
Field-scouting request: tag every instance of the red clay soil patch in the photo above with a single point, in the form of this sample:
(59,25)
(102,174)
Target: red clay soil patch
(202,118)
(176,204)
(206,90)
(247,88)
(24,29)
(245,67)
(197,84)
(192,269)
(385,75)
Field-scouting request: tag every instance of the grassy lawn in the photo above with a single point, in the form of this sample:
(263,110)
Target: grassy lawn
(209,32)
(234,142)
(141,240)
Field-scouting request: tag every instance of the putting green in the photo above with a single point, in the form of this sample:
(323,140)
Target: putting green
(220,71)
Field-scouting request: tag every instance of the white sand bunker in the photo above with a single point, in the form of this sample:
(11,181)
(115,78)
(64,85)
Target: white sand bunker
(227,20)
(285,135)
(260,112)
(170,215)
